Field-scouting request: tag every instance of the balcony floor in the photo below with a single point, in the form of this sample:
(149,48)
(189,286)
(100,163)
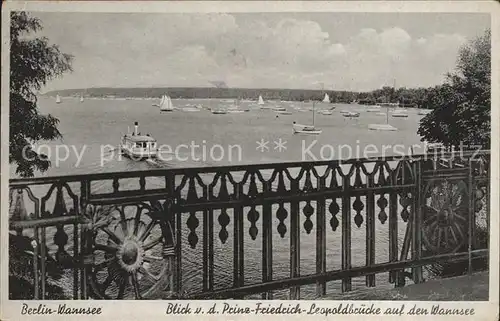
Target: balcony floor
(462,288)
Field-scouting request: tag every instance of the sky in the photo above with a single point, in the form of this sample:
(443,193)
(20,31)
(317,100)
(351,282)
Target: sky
(333,51)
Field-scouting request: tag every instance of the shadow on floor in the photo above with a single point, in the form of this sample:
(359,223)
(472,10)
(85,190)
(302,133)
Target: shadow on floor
(473,287)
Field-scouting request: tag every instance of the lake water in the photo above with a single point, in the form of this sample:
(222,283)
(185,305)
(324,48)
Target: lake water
(99,122)
(95,123)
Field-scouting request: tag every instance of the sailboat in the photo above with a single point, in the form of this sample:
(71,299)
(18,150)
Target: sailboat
(400,113)
(219,111)
(424,112)
(166,104)
(326,99)
(235,111)
(58,99)
(384,127)
(81,98)
(161,102)
(235,108)
(190,109)
(373,109)
(261,104)
(306,129)
(349,114)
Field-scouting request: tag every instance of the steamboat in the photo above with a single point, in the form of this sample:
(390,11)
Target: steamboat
(137,146)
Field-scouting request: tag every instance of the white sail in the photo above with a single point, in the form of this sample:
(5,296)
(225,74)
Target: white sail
(58,99)
(326,99)
(261,101)
(170,105)
(162,101)
(81,99)
(166,104)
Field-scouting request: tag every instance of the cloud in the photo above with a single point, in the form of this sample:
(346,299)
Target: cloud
(192,49)
(376,58)
(259,53)
(441,44)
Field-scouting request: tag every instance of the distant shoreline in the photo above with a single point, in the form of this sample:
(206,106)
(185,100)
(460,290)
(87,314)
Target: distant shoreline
(228,93)
(193,92)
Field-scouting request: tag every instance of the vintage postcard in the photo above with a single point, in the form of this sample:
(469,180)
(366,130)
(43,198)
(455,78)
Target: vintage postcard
(248,160)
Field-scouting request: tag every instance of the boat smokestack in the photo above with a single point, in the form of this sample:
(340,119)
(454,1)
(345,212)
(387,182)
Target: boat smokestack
(136,128)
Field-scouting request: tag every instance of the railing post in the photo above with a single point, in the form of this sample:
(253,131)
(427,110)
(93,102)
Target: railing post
(267,242)
(370,229)
(294,241)
(321,239)
(19,208)
(208,244)
(76,259)
(393,230)
(84,240)
(346,232)
(238,260)
(176,223)
(416,219)
(170,243)
(43,253)
(471,214)
(36,285)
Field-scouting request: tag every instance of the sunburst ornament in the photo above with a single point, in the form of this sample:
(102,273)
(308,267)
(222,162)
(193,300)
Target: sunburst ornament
(128,263)
(130,254)
(445,220)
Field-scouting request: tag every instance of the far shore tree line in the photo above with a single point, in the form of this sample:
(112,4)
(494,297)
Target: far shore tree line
(404,97)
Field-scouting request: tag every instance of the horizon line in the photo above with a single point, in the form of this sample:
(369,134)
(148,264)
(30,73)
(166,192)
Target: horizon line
(232,88)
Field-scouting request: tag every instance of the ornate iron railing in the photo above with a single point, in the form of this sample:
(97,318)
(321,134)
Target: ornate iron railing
(128,234)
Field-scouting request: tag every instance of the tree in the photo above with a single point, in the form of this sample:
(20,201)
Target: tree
(33,62)
(463,116)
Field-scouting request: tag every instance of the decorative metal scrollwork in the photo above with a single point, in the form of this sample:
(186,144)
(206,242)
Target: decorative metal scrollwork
(445,216)
(382,204)
(358,207)
(334,209)
(131,253)
(224,220)
(281,214)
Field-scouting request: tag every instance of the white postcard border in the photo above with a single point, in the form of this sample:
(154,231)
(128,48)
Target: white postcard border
(132,310)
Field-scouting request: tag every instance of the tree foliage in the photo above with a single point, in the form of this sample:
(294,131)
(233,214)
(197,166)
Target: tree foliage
(462,115)
(33,62)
